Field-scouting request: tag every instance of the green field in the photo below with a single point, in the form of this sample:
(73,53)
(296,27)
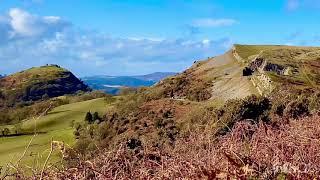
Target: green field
(57,125)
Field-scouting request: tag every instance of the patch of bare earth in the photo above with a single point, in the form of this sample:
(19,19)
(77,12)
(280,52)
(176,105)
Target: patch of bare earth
(227,78)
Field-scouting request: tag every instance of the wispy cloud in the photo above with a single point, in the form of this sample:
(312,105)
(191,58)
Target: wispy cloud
(208,22)
(31,40)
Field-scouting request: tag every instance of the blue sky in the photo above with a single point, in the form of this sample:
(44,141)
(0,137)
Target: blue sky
(129,37)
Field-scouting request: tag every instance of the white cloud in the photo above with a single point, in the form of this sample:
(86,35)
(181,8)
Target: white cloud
(38,40)
(208,22)
(206,42)
(26,24)
(23,23)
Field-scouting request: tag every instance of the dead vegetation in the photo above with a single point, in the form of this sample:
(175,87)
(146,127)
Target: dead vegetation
(250,150)
(186,86)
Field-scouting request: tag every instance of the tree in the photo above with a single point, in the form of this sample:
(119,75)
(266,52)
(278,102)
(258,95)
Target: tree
(5,132)
(89,118)
(96,116)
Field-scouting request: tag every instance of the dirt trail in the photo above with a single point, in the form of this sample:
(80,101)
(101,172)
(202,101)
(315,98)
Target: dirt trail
(229,82)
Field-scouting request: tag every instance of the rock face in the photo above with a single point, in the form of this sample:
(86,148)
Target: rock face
(274,68)
(256,64)
(39,83)
(261,65)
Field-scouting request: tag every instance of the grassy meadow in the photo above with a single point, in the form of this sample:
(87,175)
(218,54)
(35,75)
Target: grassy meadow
(56,125)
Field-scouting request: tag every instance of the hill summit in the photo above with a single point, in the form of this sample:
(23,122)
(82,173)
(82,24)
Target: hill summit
(39,83)
(246,70)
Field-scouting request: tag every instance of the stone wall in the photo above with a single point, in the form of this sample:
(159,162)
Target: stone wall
(263,83)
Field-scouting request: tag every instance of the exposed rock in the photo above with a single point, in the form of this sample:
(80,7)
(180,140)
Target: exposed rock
(270,67)
(262,65)
(256,64)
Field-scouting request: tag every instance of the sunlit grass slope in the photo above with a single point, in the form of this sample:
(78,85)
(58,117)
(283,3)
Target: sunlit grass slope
(57,125)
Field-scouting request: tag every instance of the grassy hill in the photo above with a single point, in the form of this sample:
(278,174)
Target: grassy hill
(281,67)
(38,83)
(57,125)
(223,77)
(217,78)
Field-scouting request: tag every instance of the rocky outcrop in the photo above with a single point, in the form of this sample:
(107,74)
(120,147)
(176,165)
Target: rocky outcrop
(270,67)
(256,64)
(262,65)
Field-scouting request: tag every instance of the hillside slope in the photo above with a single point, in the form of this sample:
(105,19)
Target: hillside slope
(38,83)
(56,125)
(228,81)
(245,70)
(281,67)
(215,78)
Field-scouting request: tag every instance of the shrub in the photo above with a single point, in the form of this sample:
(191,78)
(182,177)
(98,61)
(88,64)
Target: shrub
(82,145)
(5,132)
(96,116)
(253,108)
(297,108)
(199,93)
(314,104)
(88,118)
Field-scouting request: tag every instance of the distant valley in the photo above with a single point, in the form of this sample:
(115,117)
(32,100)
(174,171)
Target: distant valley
(113,84)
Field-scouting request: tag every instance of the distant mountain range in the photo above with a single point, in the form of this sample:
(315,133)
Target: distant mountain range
(113,84)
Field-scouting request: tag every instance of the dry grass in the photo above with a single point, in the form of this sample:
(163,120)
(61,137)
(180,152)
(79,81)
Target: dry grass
(290,151)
